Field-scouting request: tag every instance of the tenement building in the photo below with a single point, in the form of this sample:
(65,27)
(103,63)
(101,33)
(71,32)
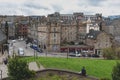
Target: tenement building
(98,39)
(57,30)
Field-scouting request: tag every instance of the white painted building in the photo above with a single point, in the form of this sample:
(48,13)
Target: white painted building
(91,25)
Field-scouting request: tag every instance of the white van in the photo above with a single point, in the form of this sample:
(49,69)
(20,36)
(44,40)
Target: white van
(20,51)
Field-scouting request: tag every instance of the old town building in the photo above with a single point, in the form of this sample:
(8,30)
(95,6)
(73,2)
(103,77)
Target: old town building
(54,36)
(22,29)
(98,39)
(2,41)
(56,29)
(68,31)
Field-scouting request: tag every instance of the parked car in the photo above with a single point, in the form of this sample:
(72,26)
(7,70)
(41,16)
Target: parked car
(13,41)
(75,54)
(34,47)
(20,51)
(39,50)
(84,55)
(95,55)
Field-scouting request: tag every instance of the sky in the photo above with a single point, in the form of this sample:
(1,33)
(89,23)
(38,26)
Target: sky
(45,7)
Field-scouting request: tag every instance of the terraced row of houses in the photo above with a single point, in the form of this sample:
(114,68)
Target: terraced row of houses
(61,32)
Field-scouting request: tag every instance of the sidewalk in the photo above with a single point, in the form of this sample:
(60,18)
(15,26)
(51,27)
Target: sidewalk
(3,67)
(32,66)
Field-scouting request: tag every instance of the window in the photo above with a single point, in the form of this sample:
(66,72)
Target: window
(54,29)
(54,40)
(54,35)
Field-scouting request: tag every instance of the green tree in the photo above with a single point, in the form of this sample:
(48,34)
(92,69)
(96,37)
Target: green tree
(71,43)
(109,53)
(117,50)
(18,69)
(116,72)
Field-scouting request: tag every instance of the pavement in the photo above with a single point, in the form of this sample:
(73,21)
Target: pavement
(3,68)
(33,66)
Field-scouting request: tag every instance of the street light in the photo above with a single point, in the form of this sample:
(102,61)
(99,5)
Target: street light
(35,37)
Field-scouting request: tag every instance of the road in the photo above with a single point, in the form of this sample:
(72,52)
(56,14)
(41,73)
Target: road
(30,52)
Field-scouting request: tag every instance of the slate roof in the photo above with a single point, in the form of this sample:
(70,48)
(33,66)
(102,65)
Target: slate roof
(23,22)
(10,24)
(92,34)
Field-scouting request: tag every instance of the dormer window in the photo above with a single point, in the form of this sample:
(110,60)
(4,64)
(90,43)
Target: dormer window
(91,36)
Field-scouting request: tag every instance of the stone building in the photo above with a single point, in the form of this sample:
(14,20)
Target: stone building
(54,36)
(11,29)
(42,35)
(22,29)
(2,41)
(113,27)
(99,40)
(68,31)
(55,29)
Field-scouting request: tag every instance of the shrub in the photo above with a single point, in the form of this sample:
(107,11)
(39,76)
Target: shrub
(117,51)
(104,79)
(71,43)
(18,69)
(116,72)
(80,43)
(109,53)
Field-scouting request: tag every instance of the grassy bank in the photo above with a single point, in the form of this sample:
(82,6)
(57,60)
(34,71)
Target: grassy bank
(95,67)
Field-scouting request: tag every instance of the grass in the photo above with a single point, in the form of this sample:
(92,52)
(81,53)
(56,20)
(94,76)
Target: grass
(94,67)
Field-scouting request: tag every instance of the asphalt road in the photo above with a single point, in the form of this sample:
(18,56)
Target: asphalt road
(31,52)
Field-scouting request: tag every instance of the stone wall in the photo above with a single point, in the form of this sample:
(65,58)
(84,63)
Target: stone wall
(68,74)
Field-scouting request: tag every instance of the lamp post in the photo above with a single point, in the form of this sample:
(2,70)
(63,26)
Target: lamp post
(35,37)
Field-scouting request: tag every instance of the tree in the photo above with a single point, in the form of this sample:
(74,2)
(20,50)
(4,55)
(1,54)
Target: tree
(109,53)
(18,69)
(71,43)
(116,72)
(117,51)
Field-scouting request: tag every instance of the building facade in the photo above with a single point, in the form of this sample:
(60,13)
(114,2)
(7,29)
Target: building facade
(99,40)
(54,36)
(22,29)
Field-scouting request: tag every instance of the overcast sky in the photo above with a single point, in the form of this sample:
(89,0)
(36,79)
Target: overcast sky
(44,7)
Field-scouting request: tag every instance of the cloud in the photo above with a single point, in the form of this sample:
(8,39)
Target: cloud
(35,6)
(57,8)
(44,7)
(95,2)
